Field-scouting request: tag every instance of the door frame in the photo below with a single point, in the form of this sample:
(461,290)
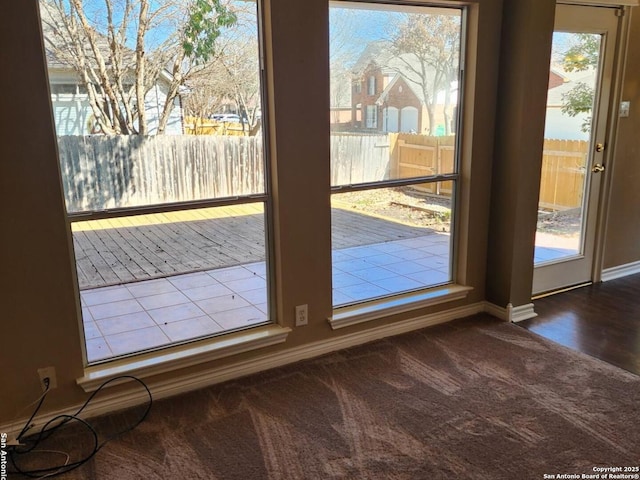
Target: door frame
(607,113)
(624,7)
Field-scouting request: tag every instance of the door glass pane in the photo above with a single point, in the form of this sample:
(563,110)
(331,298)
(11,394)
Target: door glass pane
(573,79)
(158,104)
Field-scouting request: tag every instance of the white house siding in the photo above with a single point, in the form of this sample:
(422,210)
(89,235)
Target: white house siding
(154,103)
(71,114)
(559,126)
(72,111)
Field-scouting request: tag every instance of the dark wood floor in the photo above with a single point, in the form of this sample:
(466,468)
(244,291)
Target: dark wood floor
(601,320)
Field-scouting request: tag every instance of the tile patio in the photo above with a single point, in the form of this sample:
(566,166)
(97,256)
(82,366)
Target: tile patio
(145,313)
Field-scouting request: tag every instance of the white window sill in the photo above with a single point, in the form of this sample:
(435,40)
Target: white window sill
(352,315)
(182,356)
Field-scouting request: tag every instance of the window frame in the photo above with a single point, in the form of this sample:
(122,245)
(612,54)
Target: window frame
(245,337)
(346,315)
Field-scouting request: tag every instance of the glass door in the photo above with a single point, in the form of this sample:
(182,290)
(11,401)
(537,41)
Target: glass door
(575,143)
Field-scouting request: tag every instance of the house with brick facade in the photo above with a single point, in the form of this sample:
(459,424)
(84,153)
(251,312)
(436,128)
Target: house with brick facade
(387,102)
(387,96)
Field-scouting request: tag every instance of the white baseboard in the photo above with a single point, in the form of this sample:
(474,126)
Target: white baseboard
(496,311)
(108,401)
(620,271)
(511,313)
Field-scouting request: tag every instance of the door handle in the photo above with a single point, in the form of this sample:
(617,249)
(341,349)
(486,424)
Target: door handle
(597,168)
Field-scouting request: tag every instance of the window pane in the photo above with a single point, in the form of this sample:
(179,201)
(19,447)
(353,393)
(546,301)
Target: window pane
(403,124)
(63,89)
(562,206)
(394,111)
(147,281)
(158,103)
(389,241)
(198,134)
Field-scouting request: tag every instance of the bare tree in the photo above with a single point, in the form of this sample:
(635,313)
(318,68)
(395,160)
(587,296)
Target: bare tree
(339,90)
(243,79)
(121,49)
(349,28)
(233,77)
(426,51)
(206,94)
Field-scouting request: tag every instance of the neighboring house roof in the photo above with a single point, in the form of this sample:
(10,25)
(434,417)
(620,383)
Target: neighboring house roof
(53,26)
(571,79)
(398,77)
(52,59)
(380,54)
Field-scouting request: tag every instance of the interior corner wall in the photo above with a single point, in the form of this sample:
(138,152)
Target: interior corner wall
(39,320)
(622,234)
(527,32)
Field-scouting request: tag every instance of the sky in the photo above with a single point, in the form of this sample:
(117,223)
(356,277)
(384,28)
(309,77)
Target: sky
(353,25)
(166,23)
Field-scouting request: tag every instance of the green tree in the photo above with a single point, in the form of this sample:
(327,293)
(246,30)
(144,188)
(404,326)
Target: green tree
(581,56)
(120,49)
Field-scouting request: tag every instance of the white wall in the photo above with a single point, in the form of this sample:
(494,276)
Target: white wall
(559,126)
(72,113)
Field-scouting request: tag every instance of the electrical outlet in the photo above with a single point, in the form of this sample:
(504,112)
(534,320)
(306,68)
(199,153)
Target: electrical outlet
(50,373)
(302,315)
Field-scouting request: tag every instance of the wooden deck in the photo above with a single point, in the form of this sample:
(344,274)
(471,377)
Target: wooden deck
(130,249)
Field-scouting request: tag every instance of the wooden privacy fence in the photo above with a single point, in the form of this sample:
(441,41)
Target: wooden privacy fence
(358,158)
(101,172)
(422,155)
(564,164)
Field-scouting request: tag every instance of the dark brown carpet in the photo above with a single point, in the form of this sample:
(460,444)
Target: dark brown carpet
(474,399)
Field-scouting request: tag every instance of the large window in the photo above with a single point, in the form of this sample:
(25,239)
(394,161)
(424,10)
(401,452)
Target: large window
(394,181)
(158,114)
